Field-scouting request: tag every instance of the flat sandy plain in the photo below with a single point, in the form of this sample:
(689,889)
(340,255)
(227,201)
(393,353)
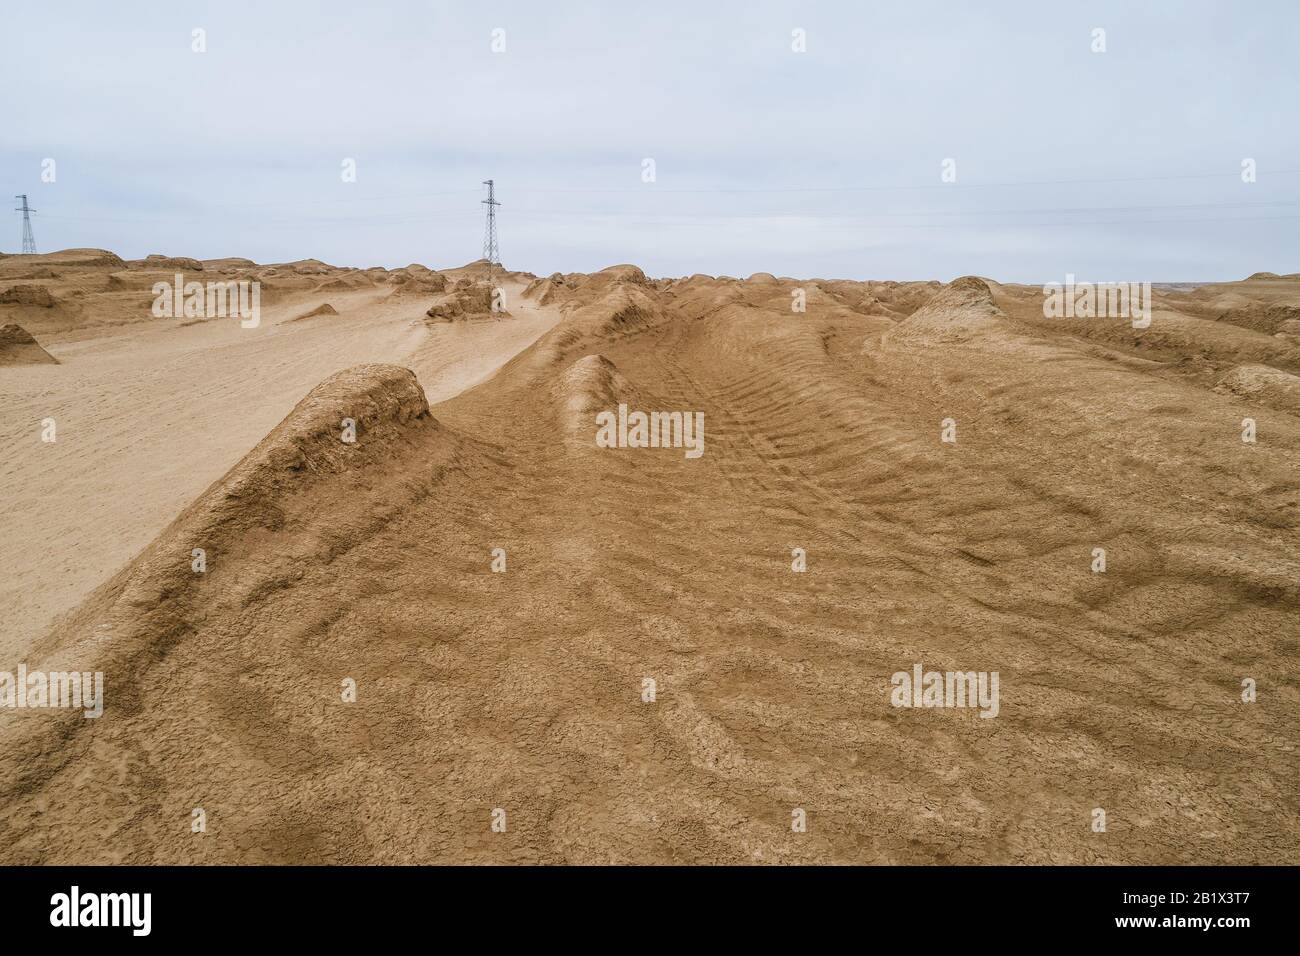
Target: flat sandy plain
(523,691)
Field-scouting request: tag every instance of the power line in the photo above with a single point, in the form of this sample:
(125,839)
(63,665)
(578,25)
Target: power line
(874,187)
(884,214)
(346,199)
(29,240)
(407,215)
(712,221)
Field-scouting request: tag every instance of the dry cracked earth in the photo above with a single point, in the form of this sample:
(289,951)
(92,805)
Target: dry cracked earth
(371,563)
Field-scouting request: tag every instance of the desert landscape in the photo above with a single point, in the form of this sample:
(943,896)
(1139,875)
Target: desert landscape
(463,630)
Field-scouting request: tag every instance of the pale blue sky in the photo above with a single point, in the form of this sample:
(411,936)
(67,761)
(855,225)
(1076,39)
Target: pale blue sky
(1113,166)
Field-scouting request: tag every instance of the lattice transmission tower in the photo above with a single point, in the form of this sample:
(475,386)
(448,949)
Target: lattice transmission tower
(29,240)
(490,251)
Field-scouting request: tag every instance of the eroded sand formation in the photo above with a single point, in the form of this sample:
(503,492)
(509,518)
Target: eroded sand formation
(17,347)
(370,561)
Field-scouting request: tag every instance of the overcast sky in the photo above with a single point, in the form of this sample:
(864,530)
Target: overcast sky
(1119,165)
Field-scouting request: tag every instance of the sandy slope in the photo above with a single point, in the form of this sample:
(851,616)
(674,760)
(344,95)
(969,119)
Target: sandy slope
(150,413)
(523,690)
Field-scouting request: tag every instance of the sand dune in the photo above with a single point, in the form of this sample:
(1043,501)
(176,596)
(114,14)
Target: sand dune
(331,561)
(149,412)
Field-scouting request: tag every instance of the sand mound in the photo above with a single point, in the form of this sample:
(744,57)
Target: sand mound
(121,281)
(261,495)
(587,387)
(477,271)
(230,262)
(156,262)
(904,297)
(965,292)
(301,498)
(381,400)
(620,273)
(420,282)
(467,300)
(1263,384)
(34,295)
(960,311)
(549,289)
(632,315)
(447,308)
(1269,319)
(323,309)
(591,384)
(69,257)
(610,315)
(873,306)
(17,347)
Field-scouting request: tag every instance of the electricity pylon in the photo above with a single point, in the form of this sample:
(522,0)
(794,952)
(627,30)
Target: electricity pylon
(490,251)
(29,241)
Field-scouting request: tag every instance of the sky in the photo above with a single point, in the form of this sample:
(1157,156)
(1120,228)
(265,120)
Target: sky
(1115,164)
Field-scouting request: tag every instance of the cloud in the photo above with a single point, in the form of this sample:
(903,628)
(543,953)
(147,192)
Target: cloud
(237,150)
